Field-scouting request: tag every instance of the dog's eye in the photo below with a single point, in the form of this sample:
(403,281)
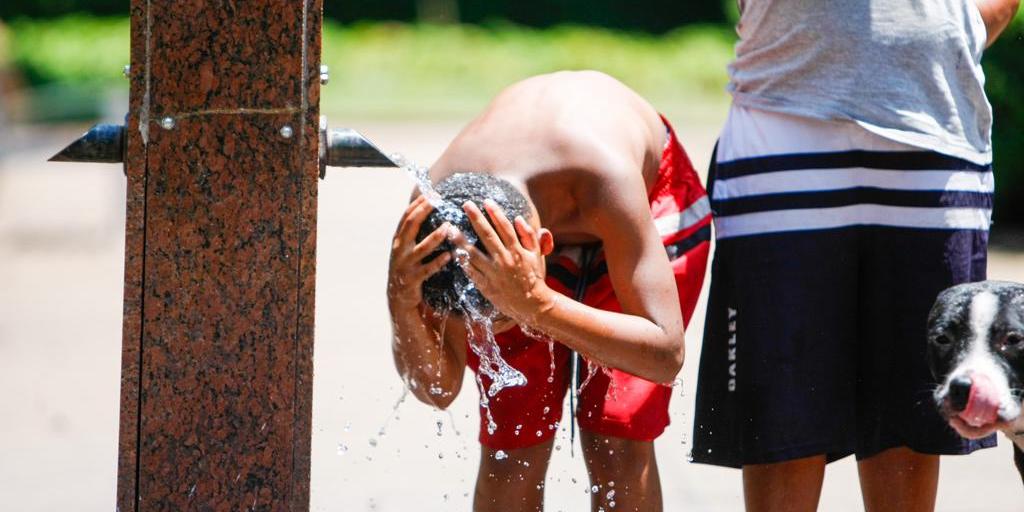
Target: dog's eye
(1014,340)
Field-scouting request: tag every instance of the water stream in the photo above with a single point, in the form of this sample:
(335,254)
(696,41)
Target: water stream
(479,321)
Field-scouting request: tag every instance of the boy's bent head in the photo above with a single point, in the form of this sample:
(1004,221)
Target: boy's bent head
(451,290)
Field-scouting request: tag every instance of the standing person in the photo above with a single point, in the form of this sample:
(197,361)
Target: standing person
(596,234)
(852,182)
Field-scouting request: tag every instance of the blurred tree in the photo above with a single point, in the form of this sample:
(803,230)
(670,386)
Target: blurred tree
(10,9)
(438,11)
(655,16)
(1004,73)
(348,11)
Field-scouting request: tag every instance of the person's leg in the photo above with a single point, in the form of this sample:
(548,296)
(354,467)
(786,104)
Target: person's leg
(624,471)
(900,430)
(512,480)
(791,486)
(899,479)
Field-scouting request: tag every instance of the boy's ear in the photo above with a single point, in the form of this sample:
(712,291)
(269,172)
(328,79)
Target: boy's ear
(547,241)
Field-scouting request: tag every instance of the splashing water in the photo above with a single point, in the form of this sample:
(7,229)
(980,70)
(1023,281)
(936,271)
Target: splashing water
(479,323)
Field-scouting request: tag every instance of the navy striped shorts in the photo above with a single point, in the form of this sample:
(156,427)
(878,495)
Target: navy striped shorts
(832,244)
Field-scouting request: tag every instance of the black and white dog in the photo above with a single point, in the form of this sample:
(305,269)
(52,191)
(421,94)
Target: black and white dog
(976,353)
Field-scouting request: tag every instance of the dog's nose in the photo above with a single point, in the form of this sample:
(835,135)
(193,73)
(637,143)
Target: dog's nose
(959,392)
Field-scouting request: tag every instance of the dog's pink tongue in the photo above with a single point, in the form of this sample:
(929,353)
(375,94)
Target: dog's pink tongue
(982,404)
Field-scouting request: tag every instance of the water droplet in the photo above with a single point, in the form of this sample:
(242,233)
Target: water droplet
(373,442)
(342,449)
(593,488)
(539,433)
(500,455)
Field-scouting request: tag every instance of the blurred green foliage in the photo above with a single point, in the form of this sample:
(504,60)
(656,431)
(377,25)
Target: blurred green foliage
(1004,73)
(5,46)
(435,69)
(401,70)
(75,50)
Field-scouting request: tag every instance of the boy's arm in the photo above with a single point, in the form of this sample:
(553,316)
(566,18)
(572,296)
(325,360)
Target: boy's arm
(429,355)
(646,338)
(997,15)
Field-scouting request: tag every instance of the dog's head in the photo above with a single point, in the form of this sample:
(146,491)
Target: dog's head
(976,351)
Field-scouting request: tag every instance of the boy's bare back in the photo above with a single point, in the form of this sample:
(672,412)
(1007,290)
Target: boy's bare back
(567,136)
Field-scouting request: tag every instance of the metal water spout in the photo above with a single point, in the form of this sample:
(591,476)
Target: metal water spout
(348,148)
(103,143)
(343,147)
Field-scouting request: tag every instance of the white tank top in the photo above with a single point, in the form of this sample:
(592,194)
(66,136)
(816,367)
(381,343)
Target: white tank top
(908,70)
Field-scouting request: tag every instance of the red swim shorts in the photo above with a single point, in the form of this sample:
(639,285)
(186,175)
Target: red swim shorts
(611,402)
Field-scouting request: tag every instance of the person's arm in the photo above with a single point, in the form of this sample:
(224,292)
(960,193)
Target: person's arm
(997,15)
(646,338)
(430,356)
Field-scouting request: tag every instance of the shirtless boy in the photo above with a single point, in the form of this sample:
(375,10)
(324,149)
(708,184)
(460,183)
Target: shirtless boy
(607,257)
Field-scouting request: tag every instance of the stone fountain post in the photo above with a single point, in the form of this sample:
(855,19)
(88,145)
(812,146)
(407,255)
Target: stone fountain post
(222,148)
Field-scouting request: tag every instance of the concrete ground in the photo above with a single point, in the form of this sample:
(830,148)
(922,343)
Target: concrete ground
(61,257)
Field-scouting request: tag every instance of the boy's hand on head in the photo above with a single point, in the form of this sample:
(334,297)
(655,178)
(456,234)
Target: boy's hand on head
(407,272)
(511,276)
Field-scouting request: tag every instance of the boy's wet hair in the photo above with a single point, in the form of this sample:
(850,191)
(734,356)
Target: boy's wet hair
(449,290)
